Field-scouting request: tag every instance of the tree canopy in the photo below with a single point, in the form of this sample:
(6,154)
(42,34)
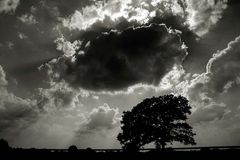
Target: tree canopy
(4,145)
(72,148)
(160,120)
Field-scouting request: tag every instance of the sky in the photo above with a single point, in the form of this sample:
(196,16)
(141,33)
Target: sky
(69,68)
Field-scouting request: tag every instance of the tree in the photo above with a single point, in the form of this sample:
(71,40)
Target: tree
(4,145)
(72,149)
(160,120)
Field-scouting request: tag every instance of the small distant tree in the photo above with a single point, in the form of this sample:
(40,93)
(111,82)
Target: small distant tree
(72,149)
(89,150)
(4,145)
(160,120)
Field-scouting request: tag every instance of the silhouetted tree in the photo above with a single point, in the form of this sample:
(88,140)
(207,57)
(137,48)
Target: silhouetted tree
(160,120)
(89,150)
(72,149)
(4,145)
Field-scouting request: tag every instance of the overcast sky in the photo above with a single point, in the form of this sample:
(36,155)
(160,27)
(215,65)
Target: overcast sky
(69,68)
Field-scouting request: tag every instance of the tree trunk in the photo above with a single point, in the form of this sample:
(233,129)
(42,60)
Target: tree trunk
(160,145)
(163,146)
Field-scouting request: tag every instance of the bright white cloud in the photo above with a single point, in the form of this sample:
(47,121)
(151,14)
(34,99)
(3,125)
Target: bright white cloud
(3,80)
(204,14)
(68,48)
(141,11)
(28,19)
(22,35)
(100,118)
(200,15)
(172,78)
(91,14)
(8,6)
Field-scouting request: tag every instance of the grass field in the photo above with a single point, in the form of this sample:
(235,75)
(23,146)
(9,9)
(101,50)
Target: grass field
(146,154)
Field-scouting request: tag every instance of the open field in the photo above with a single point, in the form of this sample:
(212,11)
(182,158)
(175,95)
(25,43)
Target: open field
(113,154)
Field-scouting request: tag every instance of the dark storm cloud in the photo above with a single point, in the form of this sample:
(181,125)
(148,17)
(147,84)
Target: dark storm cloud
(34,27)
(190,17)
(178,15)
(119,59)
(171,21)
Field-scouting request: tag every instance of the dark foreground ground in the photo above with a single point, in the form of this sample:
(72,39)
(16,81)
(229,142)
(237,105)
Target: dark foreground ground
(167,155)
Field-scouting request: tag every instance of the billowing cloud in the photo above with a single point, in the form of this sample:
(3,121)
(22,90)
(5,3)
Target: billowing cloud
(224,67)
(27,19)
(222,74)
(15,112)
(48,18)
(209,112)
(112,10)
(8,6)
(60,96)
(45,114)
(22,35)
(99,129)
(3,80)
(119,59)
(214,94)
(100,118)
(202,15)
(193,19)
(68,48)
